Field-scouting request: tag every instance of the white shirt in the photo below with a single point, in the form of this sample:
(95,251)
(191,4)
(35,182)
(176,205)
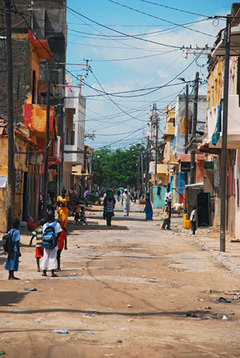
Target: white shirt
(168,197)
(57,228)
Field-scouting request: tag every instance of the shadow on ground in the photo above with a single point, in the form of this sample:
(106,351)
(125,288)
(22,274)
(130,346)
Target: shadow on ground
(7,298)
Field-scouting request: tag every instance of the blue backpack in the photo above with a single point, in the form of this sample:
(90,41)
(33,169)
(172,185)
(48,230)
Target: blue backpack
(49,238)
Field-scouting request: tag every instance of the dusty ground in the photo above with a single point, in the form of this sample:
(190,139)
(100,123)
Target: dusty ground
(129,291)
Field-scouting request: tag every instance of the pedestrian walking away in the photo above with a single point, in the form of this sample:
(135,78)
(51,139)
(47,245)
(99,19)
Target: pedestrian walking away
(62,243)
(193,219)
(12,248)
(126,202)
(51,231)
(62,203)
(148,208)
(38,235)
(108,207)
(86,196)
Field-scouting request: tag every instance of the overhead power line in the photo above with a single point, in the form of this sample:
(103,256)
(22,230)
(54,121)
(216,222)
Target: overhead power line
(160,18)
(120,32)
(176,9)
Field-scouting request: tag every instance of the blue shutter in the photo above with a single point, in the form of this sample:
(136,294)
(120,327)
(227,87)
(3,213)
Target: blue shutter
(181,183)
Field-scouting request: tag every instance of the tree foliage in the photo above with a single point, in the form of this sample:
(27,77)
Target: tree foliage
(116,168)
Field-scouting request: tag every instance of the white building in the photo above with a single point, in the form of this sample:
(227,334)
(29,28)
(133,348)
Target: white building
(74,133)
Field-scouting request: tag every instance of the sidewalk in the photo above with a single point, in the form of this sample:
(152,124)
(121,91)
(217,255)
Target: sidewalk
(208,238)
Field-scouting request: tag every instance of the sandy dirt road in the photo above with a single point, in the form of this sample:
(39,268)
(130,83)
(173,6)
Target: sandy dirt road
(128,291)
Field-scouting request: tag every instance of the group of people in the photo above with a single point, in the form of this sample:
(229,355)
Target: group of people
(109,205)
(51,235)
(50,238)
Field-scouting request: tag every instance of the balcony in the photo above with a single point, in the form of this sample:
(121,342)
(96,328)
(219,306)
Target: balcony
(233,138)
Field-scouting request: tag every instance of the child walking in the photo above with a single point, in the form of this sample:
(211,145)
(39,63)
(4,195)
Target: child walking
(83,216)
(13,253)
(62,243)
(193,219)
(38,235)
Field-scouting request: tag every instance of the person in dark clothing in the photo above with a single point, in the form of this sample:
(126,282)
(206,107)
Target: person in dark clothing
(109,204)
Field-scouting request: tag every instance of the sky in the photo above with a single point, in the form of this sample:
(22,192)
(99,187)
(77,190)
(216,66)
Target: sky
(137,51)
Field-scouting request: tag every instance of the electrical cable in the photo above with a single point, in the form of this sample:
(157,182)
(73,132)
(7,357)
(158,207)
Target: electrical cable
(160,18)
(120,32)
(176,9)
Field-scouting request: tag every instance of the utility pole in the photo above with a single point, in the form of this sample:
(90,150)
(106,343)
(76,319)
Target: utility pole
(61,133)
(186,128)
(10,114)
(147,165)
(142,176)
(194,128)
(224,135)
(45,178)
(156,123)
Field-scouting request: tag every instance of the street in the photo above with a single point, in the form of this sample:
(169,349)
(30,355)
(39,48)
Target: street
(131,290)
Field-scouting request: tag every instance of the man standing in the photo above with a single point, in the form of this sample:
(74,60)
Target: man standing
(168,203)
(126,202)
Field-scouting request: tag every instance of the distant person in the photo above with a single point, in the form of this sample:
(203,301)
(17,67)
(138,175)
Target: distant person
(83,216)
(118,195)
(38,235)
(108,207)
(166,217)
(148,208)
(193,220)
(126,202)
(168,201)
(12,248)
(62,243)
(51,231)
(86,197)
(62,203)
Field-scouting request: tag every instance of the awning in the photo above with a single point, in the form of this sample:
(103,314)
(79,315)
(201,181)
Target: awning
(195,186)
(41,46)
(219,50)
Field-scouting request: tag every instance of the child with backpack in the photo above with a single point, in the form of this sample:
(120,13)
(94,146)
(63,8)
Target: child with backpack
(62,243)
(51,231)
(38,234)
(12,248)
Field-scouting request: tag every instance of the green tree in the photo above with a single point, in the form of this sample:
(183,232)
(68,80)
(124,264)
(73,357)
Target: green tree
(116,168)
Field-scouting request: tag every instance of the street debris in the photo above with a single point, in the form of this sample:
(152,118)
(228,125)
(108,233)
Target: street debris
(39,320)
(61,331)
(2,353)
(222,299)
(225,318)
(87,332)
(191,314)
(129,306)
(30,289)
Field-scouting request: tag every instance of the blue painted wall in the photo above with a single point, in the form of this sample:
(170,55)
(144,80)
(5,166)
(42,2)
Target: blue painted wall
(158,200)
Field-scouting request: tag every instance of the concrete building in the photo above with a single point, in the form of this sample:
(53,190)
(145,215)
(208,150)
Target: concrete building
(75,109)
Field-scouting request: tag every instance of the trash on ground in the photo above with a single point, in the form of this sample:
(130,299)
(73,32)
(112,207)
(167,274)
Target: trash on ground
(119,341)
(191,314)
(38,320)
(225,318)
(222,299)
(129,306)
(87,332)
(61,331)
(30,289)
(2,353)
